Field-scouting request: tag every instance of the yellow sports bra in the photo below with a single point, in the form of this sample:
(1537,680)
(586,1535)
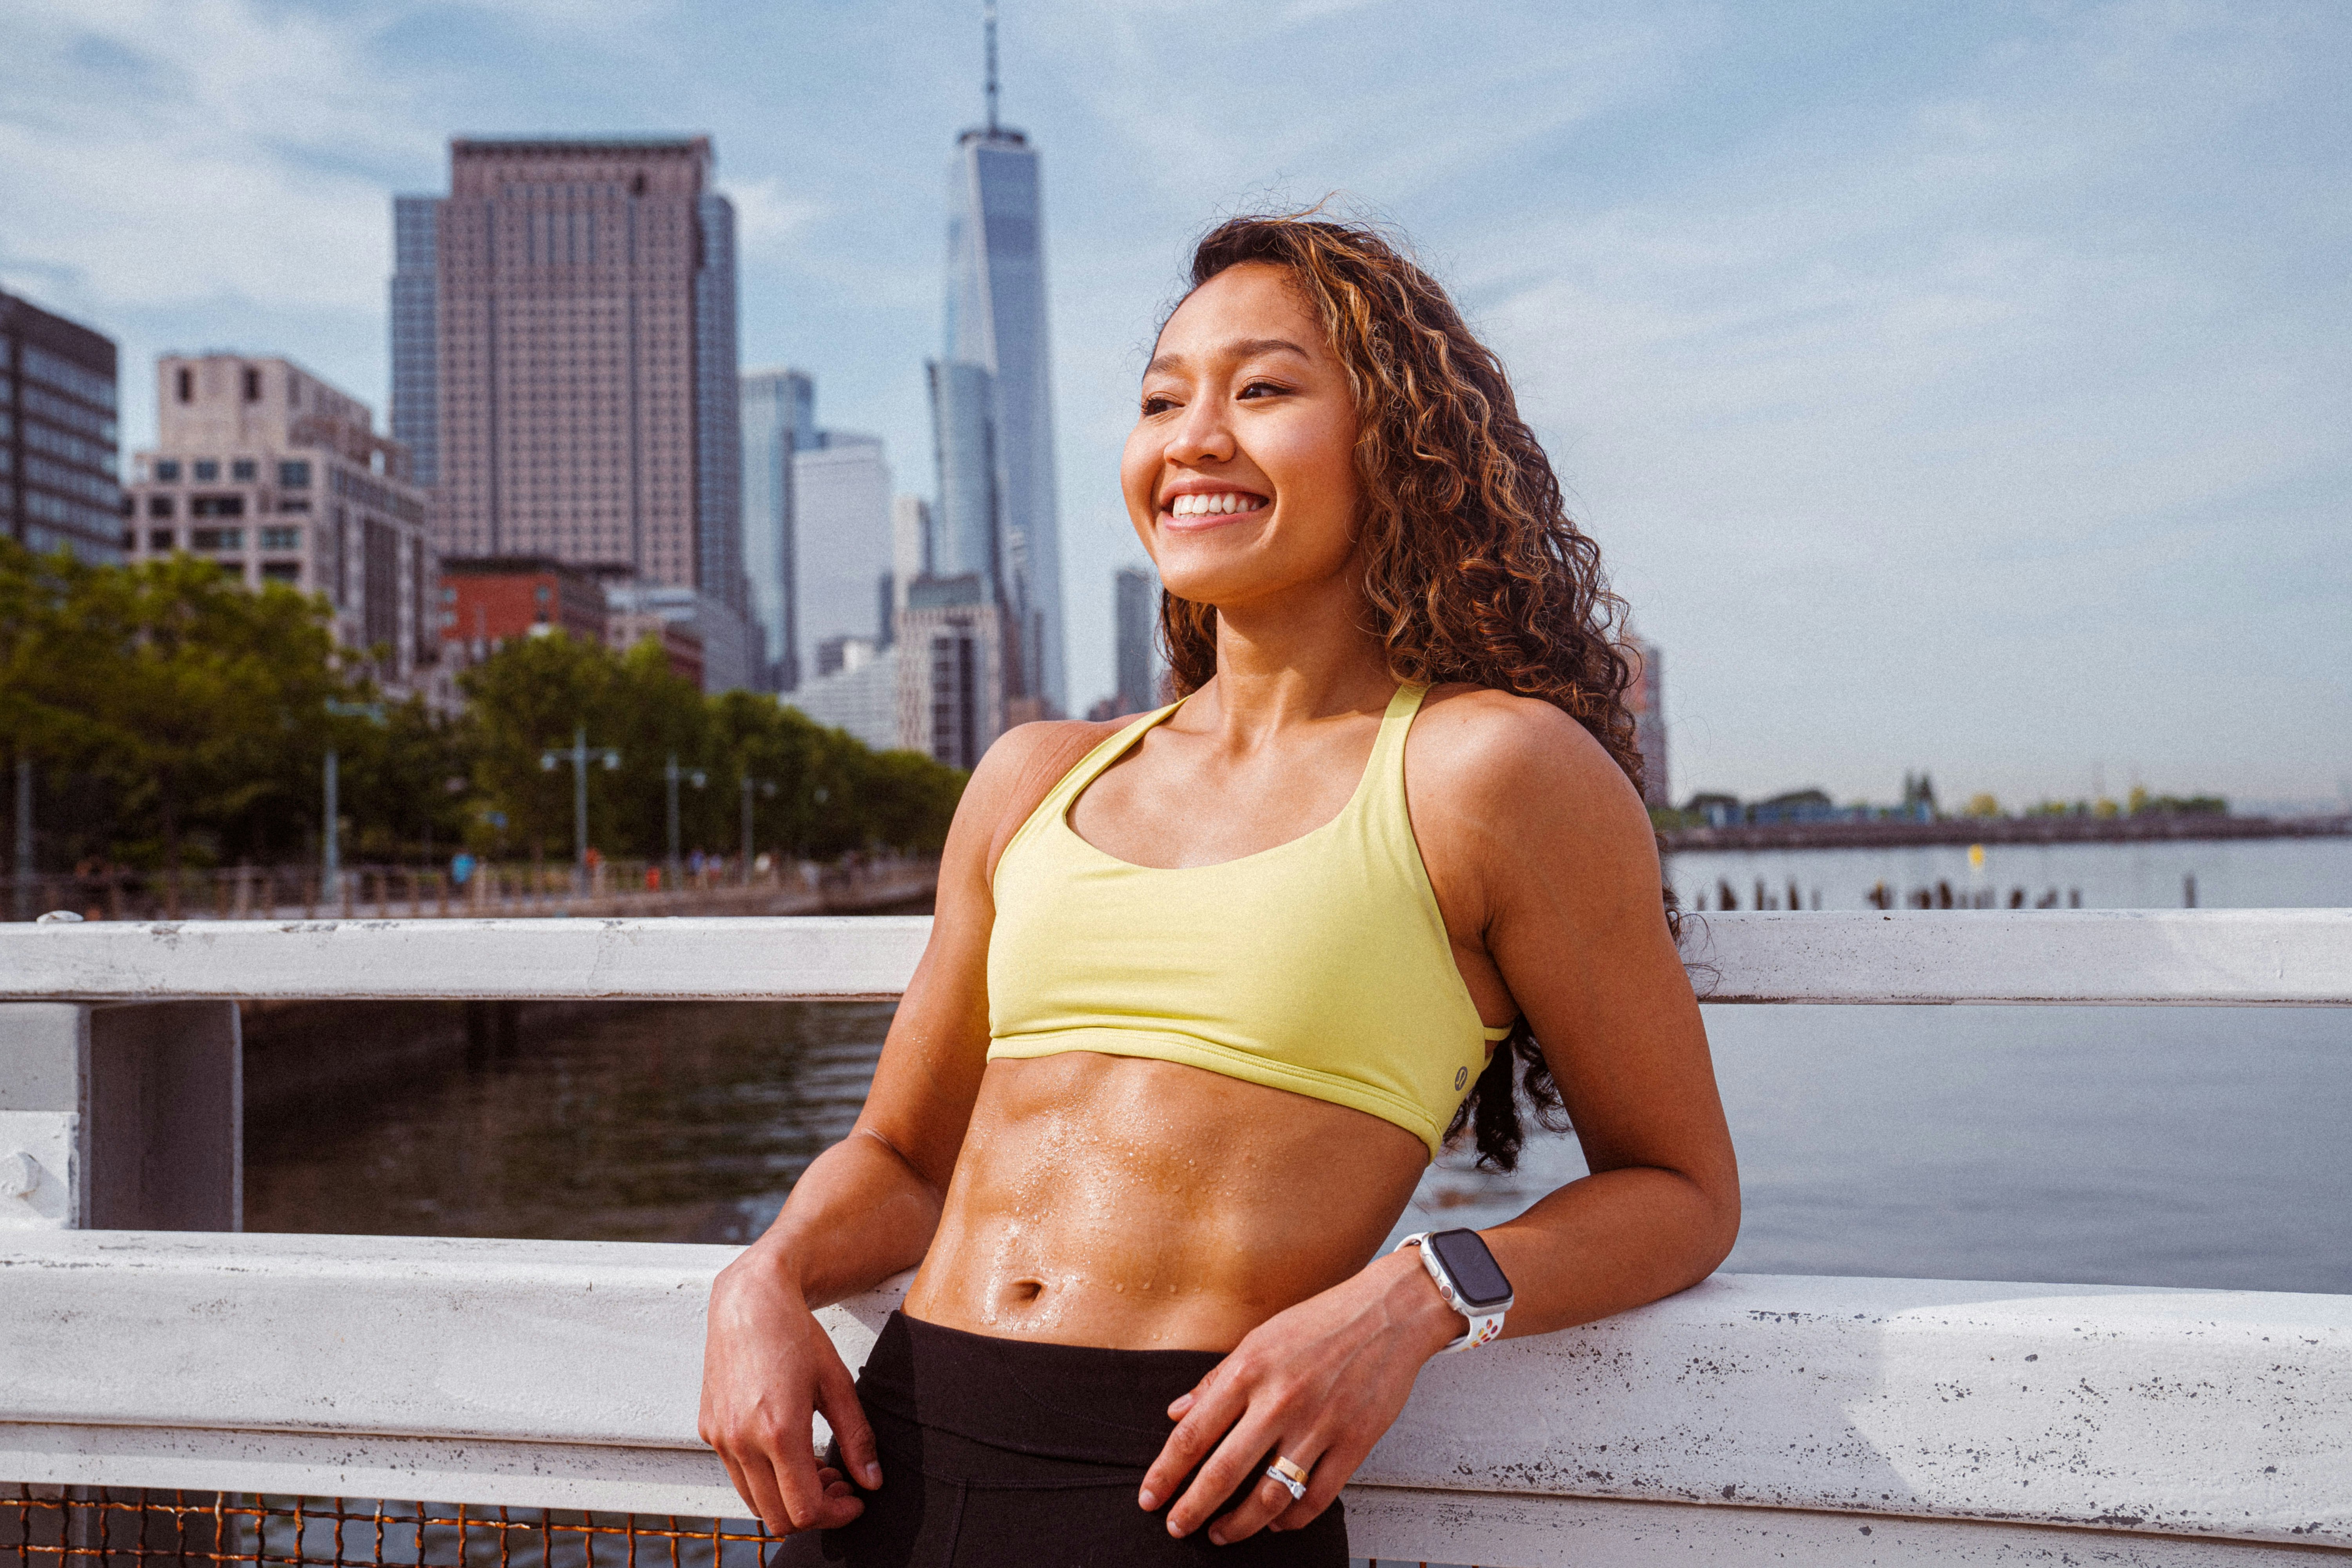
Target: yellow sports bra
(1320,966)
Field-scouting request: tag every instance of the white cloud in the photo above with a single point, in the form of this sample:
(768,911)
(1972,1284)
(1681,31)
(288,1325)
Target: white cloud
(162,151)
(766,216)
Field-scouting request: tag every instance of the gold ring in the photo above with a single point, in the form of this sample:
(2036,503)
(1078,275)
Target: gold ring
(1291,1475)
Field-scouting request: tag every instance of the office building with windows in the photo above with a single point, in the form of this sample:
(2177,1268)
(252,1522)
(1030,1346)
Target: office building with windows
(995,430)
(1135,626)
(279,476)
(856,691)
(60,467)
(779,416)
(951,702)
(580,391)
(842,534)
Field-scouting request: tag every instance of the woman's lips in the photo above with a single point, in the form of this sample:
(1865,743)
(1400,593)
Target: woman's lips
(1201,510)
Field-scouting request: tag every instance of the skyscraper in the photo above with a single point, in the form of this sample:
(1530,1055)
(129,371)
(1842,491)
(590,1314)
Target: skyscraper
(581,394)
(996,324)
(779,418)
(1135,615)
(842,538)
(59,473)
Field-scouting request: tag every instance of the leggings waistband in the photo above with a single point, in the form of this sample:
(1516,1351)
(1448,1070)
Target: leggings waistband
(1084,1402)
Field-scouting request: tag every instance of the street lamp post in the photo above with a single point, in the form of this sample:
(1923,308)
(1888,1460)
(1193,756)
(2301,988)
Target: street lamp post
(671,773)
(766,787)
(578,757)
(331,843)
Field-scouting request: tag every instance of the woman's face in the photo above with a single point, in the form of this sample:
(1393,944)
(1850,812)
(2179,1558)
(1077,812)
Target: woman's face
(1240,476)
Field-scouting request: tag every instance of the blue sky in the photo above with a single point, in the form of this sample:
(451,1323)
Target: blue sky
(1959,387)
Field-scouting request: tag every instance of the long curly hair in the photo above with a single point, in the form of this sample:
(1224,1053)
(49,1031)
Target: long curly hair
(1472,569)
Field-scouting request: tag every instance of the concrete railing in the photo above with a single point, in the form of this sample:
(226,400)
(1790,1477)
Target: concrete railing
(1752,1419)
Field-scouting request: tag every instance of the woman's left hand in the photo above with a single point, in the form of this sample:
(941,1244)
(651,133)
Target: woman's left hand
(1316,1385)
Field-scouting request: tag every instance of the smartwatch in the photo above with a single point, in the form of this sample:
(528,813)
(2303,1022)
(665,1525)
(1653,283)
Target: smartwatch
(1469,1278)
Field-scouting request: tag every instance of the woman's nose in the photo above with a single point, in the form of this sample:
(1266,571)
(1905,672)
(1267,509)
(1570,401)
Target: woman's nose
(1203,436)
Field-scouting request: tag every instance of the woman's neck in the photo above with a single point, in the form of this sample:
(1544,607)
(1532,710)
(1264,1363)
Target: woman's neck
(1304,657)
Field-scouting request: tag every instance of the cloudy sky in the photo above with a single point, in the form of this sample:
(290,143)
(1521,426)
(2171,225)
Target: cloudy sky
(1961,387)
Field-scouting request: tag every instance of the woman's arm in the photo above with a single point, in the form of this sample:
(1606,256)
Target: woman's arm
(1546,870)
(867,1207)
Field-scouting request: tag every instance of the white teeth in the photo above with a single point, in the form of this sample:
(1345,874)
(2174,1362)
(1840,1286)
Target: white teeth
(1204,505)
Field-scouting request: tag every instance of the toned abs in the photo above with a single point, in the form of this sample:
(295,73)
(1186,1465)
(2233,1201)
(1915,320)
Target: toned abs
(1144,1204)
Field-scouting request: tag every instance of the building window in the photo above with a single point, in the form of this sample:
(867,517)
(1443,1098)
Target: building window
(207,468)
(294,475)
(159,506)
(187,384)
(281,539)
(252,384)
(167,469)
(160,539)
(216,506)
(282,571)
(216,539)
(130,539)
(245,469)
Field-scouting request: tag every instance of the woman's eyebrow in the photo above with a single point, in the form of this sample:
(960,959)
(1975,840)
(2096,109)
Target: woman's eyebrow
(1247,348)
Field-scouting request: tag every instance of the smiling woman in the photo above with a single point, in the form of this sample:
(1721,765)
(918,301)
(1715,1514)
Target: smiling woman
(1207,991)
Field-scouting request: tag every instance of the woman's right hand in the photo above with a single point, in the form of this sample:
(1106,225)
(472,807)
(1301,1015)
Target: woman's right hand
(768,1367)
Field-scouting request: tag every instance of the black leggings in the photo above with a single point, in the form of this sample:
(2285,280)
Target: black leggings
(1007,1452)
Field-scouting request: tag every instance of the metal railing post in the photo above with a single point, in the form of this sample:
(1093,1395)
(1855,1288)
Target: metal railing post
(127,1116)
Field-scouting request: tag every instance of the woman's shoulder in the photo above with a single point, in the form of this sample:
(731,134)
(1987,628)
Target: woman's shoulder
(1477,744)
(1022,767)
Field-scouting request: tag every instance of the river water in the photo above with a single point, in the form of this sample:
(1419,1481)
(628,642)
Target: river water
(2173,1146)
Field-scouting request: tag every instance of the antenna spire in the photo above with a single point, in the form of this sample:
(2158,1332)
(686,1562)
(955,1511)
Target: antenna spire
(988,17)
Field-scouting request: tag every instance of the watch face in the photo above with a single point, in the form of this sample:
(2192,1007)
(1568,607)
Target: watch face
(1478,1278)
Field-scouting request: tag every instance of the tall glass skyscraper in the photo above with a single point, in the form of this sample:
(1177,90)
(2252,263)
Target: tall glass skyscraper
(416,334)
(779,419)
(996,324)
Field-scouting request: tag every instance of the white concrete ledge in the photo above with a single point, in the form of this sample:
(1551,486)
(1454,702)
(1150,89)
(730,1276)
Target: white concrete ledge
(2215,957)
(1970,1420)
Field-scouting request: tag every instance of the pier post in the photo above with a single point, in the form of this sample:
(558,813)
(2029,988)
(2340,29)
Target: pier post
(124,1116)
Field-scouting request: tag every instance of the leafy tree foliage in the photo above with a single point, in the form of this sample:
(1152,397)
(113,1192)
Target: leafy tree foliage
(175,718)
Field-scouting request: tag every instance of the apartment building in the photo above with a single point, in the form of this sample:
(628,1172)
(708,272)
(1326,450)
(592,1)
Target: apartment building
(59,473)
(279,477)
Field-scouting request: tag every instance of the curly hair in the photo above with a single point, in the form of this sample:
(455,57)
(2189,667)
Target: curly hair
(1472,568)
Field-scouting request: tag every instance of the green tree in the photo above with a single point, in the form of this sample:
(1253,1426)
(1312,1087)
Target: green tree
(527,697)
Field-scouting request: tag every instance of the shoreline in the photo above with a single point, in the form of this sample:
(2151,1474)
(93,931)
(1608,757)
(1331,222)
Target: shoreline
(1964,831)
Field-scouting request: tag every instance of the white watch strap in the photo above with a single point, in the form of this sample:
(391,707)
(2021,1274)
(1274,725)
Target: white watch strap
(1485,1327)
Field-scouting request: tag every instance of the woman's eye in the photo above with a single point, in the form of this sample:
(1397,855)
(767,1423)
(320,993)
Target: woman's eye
(1152,405)
(1261,389)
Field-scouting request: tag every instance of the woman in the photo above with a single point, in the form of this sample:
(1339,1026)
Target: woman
(1207,989)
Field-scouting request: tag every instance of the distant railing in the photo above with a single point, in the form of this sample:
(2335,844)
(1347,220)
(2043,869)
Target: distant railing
(1751,1419)
(491,890)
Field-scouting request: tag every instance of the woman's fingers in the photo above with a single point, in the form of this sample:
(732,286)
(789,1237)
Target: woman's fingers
(1264,1502)
(1236,1461)
(837,1398)
(1326,1478)
(1207,1411)
(755,1483)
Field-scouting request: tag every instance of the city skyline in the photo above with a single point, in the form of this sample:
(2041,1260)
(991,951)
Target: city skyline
(1947,397)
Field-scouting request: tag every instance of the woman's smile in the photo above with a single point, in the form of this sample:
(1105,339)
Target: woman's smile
(1198,508)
